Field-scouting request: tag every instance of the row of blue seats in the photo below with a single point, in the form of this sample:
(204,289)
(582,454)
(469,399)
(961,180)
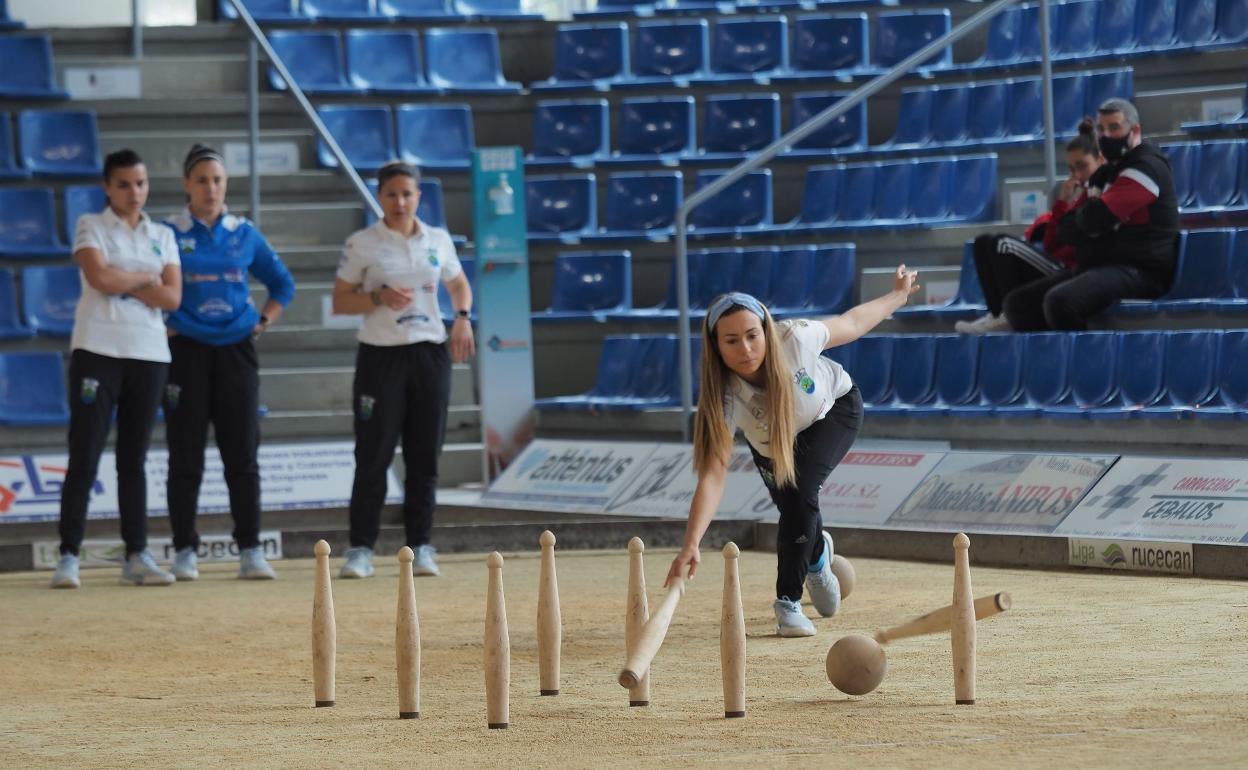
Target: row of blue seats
(382,62)
(433,136)
(1210,178)
(47,301)
(1098,375)
(56,143)
(1211,275)
(26,68)
(28,227)
(352,11)
(635,371)
(1237,122)
(8,22)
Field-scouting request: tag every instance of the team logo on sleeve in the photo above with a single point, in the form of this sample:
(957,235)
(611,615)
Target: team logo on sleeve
(90,387)
(366,407)
(804,381)
(172,394)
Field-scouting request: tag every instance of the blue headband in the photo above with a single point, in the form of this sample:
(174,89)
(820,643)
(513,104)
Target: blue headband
(725,301)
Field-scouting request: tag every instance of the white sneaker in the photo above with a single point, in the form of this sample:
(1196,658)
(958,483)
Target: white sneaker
(425,563)
(359,563)
(66,575)
(141,569)
(985,324)
(790,621)
(824,588)
(253,566)
(186,564)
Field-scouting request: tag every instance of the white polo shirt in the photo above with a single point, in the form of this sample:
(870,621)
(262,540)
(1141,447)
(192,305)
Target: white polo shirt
(378,256)
(118,325)
(818,382)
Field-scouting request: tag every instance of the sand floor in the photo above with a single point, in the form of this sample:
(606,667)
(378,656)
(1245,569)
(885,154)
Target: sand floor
(1087,668)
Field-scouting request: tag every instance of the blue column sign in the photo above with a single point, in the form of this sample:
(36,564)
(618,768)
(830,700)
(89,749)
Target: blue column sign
(504,337)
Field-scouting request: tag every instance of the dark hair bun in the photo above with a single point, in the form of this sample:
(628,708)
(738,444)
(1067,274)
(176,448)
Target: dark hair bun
(1087,127)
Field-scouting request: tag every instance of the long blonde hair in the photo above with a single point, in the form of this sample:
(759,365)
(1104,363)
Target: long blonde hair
(712,436)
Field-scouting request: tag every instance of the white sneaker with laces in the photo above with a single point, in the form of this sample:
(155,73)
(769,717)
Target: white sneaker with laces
(253,566)
(141,569)
(824,588)
(359,563)
(985,324)
(790,620)
(186,564)
(425,564)
(66,575)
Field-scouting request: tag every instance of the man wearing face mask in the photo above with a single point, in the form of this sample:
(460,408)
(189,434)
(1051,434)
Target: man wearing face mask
(1125,231)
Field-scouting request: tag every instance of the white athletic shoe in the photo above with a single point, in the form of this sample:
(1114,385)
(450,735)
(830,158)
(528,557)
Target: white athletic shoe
(186,564)
(985,324)
(824,588)
(253,566)
(425,564)
(359,563)
(790,621)
(141,569)
(66,575)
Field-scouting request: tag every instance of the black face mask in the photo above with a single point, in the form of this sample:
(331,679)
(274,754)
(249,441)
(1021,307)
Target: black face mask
(1112,148)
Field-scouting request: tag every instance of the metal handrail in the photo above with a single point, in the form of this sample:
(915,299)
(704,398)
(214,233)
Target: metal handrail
(263,41)
(859,96)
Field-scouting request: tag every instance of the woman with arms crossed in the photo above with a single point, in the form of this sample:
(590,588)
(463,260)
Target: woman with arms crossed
(800,413)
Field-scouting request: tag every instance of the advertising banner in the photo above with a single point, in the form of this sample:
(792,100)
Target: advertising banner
(997,492)
(504,335)
(291,476)
(1193,500)
(1133,555)
(863,490)
(213,549)
(666,482)
(568,475)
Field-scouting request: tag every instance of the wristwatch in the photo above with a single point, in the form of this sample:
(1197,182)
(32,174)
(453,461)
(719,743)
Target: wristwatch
(462,313)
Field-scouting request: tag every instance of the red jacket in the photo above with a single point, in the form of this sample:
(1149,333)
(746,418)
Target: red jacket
(1044,230)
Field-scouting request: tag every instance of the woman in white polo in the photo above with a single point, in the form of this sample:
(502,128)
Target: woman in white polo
(130,275)
(390,274)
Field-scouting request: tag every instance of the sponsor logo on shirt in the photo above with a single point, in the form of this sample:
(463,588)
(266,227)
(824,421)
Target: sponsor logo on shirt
(234,275)
(90,387)
(214,308)
(804,381)
(186,244)
(411,318)
(200,277)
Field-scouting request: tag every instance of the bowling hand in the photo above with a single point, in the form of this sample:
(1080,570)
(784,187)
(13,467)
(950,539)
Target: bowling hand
(462,344)
(689,556)
(904,281)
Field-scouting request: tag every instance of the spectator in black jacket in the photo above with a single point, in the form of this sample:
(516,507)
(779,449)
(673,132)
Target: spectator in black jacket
(1125,233)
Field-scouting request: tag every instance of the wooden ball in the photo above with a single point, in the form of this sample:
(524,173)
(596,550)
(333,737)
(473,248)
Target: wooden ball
(845,575)
(856,664)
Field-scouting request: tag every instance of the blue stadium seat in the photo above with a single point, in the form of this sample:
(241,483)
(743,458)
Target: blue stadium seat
(711,272)
(491,10)
(588,56)
(469,266)
(668,53)
(1141,375)
(1070,98)
(890,205)
(1191,377)
(432,208)
(365,134)
(974,188)
(821,197)
(32,389)
(1216,186)
(28,225)
(967,303)
(873,369)
(314,60)
(1029,33)
(788,288)
(843,355)
(634,372)
(1184,162)
(956,381)
(1088,386)
(49,296)
(950,114)
(827,46)
(1000,375)
(744,206)
(461,60)
(914,120)
(641,206)
(1115,27)
(735,125)
(931,186)
(436,136)
(1004,33)
(845,134)
(900,34)
(1046,359)
(832,272)
(614,9)
(9,168)
(617,367)
(59,143)
(1074,29)
(7,22)
(383,62)
(914,374)
(987,112)
(11,325)
(654,130)
(1204,258)
(79,200)
(856,193)
(1154,25)
(1196,23)
(26,69)
(758,265)
(589,285)
(263,11)
(417,10)
(1106,84)
(748,50)
(687,7)
(1234,298)
(1026,117)
(1232,26)
(339,10)
(1231,400)
(561,208)
(570,133)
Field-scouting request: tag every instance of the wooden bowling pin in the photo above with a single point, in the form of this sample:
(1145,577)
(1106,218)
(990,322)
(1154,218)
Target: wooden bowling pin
(324,630)
(407,639)
(636,616)
(549,619)
(962,632)
(732,637)
(497,648)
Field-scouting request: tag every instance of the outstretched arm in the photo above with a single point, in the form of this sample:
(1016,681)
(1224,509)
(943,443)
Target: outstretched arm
(857,321)
(706,497)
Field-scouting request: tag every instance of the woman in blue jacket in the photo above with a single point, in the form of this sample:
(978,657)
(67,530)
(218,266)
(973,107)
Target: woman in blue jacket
(214,376)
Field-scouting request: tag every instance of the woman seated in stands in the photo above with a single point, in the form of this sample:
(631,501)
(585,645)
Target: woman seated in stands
(1004,262)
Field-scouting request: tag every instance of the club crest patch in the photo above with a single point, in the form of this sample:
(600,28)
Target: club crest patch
(367,403)
(90,387)
(172,394)
(804,381)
